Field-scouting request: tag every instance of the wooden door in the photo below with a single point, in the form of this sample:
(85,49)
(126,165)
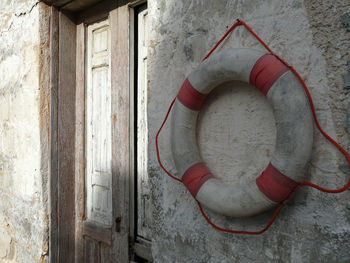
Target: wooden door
(92,110)
(103,166)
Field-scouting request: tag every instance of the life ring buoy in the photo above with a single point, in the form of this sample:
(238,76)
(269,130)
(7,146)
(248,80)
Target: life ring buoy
(294,136)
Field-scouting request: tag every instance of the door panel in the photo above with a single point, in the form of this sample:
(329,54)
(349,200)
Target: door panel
(106,224)
(103,226)
(90,137)
(144,207)
(98,125)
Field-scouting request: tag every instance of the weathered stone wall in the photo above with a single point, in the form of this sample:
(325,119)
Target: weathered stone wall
(24,156)
(236,130)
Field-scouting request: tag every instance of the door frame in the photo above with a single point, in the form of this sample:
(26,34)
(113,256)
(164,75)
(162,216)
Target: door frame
(140,247)
(67,166)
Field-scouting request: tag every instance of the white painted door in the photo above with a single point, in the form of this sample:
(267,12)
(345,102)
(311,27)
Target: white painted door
(144,219)
(103,51)
(102,120)
(98,125)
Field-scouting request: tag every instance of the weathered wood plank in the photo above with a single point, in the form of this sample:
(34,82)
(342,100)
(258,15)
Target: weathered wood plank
(54,54)
(98,233)
(97,12)
(66,139)
(144,213)
(143,250)
(77,5)
(105,252)
(71,5)
(119,21)
(132,137)
(80,144)
(91,251)
(56,3)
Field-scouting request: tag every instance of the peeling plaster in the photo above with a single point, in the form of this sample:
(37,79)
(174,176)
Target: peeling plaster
(24,89)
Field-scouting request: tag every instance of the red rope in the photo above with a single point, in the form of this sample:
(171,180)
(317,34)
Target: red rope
(242,231)
(238,23)
(347,156)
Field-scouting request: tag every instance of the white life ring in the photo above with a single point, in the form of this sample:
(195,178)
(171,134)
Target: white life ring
(294,132)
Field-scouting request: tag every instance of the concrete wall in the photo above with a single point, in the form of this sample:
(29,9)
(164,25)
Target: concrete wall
(236,130)
(24,130)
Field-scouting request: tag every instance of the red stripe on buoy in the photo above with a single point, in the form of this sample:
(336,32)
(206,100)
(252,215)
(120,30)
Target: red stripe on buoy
(190,97)
(195,177)
(266,71)
(275,185)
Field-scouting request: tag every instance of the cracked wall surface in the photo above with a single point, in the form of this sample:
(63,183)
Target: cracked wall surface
(24,104)
(236,130)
